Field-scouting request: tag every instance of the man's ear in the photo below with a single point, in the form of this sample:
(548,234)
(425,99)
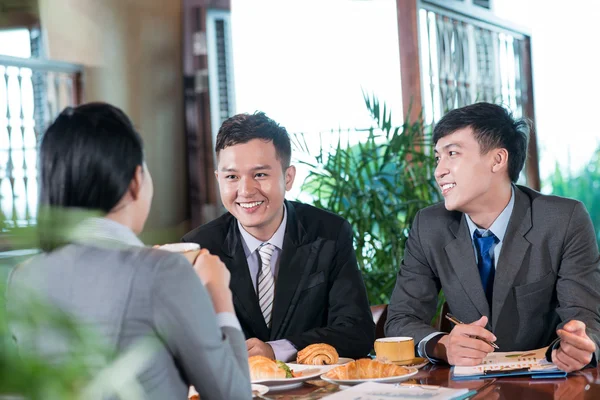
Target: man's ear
(135,186)
(500,160)
(290,175)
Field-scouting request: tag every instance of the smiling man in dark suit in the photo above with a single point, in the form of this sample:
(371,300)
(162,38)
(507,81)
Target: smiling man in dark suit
(294,275)
(520,268)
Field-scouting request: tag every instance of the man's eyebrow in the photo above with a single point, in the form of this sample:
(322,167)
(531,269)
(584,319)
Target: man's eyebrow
(256,168)
(448,146)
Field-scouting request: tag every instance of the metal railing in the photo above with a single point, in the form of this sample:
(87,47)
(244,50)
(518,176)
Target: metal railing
(32,93)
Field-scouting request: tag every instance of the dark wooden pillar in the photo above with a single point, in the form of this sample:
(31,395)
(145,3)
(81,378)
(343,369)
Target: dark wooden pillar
(19,14)
(410,69)
(532,168)
(199,144)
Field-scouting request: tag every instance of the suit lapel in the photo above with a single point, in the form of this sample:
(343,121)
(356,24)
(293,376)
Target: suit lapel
(462,258)
(295,264)
(244,295)
(514,249)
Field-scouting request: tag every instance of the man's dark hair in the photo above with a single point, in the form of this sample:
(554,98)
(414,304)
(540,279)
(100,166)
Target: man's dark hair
(493,127)
(88,157)
(242,128)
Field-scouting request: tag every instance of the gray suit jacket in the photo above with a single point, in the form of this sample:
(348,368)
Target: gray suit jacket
(548,273)
(126,293)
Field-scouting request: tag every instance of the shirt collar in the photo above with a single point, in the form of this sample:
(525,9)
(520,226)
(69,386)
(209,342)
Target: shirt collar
(104,231)
(251,243)
(499,226)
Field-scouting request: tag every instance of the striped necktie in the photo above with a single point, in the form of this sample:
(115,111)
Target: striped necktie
(266,283)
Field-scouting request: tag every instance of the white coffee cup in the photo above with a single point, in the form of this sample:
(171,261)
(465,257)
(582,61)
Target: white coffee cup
(395,349)
(189,250)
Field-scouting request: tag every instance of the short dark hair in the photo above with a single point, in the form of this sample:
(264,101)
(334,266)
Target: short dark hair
(88,157)
(242,128)
(493,127)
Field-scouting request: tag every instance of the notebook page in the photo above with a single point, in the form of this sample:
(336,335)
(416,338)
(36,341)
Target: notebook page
(379,391)
(535,360)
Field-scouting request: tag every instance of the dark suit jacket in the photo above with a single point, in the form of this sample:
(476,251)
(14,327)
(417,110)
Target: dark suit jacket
(548,273)
(320,296)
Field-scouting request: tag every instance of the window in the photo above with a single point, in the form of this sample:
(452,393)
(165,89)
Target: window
(305,64)
(32,92)
(18,143)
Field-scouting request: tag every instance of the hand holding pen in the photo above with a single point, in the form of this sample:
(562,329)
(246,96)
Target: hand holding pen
(456,321)
(467,344)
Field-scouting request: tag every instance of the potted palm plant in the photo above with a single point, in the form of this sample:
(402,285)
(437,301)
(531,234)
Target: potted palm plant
(378,183)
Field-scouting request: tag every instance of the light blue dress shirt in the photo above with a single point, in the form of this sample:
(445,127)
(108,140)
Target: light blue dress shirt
(284,349)
(498,228)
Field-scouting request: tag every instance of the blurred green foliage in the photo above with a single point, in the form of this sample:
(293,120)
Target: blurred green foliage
(87,370)
(583,186)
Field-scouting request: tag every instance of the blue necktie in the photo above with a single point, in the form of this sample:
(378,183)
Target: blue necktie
(485,262)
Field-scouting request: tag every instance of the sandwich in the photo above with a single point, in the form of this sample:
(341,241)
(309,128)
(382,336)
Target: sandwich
(265,368)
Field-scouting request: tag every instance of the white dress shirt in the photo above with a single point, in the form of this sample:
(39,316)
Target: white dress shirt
(284,349)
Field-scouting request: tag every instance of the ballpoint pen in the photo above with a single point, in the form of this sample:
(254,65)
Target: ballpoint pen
(456,321)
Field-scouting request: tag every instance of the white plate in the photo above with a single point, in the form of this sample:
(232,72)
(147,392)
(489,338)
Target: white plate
(261,389)
(391,379)
(414,363)
(420,365)
(309,372)
(285,386)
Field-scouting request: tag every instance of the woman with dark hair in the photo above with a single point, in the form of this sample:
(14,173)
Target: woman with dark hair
(95,197)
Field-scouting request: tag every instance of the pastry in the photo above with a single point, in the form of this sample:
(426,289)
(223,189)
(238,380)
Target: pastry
(318,354)
(265,368)
(366,369)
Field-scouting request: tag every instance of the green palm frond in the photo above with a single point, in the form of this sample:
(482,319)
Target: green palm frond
(377,184)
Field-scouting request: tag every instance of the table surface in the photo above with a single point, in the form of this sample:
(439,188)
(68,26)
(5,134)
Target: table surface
(578,385)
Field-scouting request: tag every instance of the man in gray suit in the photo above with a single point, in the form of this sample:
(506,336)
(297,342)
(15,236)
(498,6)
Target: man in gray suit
(518,267)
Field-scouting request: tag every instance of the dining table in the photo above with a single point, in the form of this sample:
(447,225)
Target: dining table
(583,384)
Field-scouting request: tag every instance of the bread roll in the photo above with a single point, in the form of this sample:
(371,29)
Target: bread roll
(318,354)
(366,369)
(264,368)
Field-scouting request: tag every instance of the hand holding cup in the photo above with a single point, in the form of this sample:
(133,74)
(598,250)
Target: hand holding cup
(215,276)
(188,250)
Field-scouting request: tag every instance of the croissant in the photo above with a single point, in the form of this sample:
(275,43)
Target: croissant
(318,354)
(264,368)
(366,369)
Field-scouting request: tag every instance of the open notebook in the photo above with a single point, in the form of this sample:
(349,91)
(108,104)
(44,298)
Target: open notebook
(513,363)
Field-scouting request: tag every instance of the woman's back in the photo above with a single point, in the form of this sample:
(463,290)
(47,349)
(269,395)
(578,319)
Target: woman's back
(124,293)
